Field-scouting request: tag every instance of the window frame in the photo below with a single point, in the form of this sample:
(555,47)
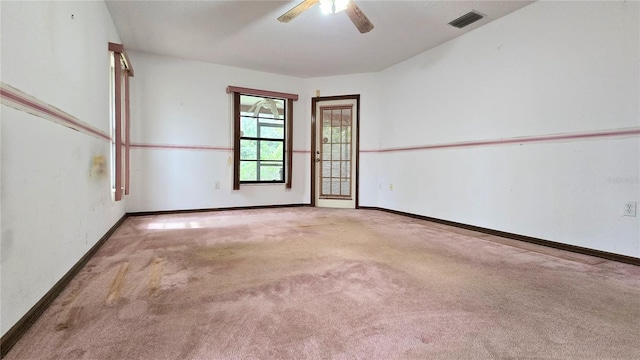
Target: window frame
(288,133)
(120,71)
(259,139)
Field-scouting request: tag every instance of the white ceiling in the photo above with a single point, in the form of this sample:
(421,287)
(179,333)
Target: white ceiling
(246,34)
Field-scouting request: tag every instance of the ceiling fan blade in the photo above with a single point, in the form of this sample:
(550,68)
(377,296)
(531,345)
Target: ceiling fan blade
(358,18)
(297,10)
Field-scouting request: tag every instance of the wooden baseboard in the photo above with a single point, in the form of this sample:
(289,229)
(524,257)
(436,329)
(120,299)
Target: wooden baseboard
(186,211)
(15,333)
(549,243)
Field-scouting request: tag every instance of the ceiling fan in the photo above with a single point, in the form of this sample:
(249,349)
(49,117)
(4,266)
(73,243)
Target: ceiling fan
(352,10)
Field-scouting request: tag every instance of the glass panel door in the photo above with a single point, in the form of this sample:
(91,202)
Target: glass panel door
(335,152)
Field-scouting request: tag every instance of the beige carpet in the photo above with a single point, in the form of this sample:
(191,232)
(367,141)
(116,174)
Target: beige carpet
(306,283)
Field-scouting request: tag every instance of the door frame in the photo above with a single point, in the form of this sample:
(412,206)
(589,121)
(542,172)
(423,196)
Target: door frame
(314,103)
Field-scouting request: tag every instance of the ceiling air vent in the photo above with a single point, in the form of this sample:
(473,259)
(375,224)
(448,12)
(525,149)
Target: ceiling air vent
(466,19)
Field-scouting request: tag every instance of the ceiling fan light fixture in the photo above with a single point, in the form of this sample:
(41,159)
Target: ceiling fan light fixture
(333,6)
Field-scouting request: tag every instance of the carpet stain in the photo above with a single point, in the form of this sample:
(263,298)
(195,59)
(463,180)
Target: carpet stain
(156,273)
(116,285)
(72,317)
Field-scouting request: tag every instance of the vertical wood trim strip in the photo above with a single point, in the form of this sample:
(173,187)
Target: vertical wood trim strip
(236,141)
(127,134)
(118,134)
(314,102)
(289,143)
(357,97)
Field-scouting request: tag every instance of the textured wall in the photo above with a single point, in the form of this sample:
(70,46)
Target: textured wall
(53,210)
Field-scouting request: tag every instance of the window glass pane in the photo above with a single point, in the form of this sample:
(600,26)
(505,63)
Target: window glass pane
(248,150)
(270,120)
(257,106)
(248,126)
(248,171)
(345,170)
(346,187)
(271,171)
(272,132)
(271,150)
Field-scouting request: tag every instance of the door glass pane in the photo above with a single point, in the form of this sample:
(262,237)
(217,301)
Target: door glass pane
(326,169)
(326,186)
(336,118)
(326,152)
(346,152)
(326,131)
(346,188)
(335,186)
(335,135)
(335,169)
(336,152)
(345,170)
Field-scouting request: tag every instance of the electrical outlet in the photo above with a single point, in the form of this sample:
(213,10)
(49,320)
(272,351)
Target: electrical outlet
(390,187)
(630,209)
(217,184)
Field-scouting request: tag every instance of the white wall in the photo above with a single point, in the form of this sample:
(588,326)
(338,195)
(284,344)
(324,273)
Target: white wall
(182,102)
(53,211)
(551,67)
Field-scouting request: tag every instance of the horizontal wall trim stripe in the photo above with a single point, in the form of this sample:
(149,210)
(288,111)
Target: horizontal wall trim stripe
(179,147)
(192,147)
(625,132)
(634,131)
(19,100)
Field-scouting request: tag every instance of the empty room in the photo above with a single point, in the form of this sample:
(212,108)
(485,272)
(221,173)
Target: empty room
(320,179)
